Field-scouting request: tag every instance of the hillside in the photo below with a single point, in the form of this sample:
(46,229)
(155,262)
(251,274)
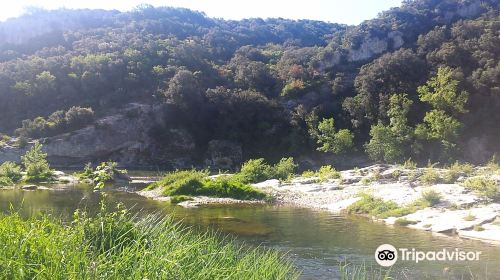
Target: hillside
(174,88)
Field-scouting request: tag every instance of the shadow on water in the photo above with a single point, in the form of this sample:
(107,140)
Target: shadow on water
(317,241)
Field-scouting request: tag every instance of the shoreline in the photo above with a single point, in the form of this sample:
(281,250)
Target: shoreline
(452,216)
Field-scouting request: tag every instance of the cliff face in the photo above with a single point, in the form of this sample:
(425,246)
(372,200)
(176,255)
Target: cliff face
(123,137)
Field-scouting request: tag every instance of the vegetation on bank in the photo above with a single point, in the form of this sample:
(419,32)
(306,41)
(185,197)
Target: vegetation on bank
(181,185)
(377,207)
(104,173)
(35,168)
(112,245)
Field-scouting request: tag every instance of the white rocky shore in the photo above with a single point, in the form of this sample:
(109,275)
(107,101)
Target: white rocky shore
(459,211)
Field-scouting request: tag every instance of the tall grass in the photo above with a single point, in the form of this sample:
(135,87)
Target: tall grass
(113,245)
(362,272)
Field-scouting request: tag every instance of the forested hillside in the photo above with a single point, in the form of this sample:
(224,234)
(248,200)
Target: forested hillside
(421,81)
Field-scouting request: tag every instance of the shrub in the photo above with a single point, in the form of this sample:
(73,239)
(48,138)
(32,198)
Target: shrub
(226,186)
(430,177)
(180,198)
(469,217)
(371,205)
(104,173)
(377,207)
(483,186)
(409,164)
(456,170)
(478,228)
(284,168)
(36,165)
(11,171)
(255,170)
(404,222)
(327,172)
(431,197)
(194,183)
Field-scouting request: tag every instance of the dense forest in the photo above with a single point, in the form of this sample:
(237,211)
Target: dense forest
(421,81)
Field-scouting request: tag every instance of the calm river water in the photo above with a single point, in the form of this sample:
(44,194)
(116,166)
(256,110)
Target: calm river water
(316,241)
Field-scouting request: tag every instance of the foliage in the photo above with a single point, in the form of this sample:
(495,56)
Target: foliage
(180,198)
(325,173)
(57,122)
(441,92)
(220,79)
(104,173)
(456,170)
(112,245)
(409,164)
(10,173)
(36,165)
(377,207)
(430,177)
(331,140)
(390,143)
(483,186)
(404,222)
(196,183)
(256,170)
(431,197)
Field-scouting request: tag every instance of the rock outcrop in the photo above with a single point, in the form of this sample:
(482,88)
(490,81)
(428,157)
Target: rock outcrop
(123,137)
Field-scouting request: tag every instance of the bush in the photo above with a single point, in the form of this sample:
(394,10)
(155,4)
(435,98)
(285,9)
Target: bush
(377,207)
(36,165)
(327,172)
(324,174)
(430,177)
(256,170)
(195,183)
(431,197)
(10,172)
(483,186)
(409,164)
(104,173)
(371,205)
(284,168)
(456,170)
(404,222)
(226,186)
(180,198)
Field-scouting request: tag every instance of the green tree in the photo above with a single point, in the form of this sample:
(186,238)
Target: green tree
(36,165)
(441,124)
(441,92)
(389,142)
(334,141)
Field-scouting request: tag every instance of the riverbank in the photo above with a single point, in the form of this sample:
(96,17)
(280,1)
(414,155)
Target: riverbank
(459,210)
(462,203)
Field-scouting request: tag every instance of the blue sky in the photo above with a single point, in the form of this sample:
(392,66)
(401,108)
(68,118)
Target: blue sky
(341,11)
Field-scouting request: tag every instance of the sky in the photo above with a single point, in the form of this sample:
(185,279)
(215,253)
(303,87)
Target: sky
(338,11)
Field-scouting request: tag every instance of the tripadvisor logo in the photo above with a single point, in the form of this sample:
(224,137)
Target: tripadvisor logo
(387,255)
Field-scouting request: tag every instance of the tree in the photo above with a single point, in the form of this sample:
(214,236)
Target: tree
(183,89)
(440,124)
(333,141)
(441,92)
(36,165)
(389,142)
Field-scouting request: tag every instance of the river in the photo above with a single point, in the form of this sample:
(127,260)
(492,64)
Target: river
(316,241)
